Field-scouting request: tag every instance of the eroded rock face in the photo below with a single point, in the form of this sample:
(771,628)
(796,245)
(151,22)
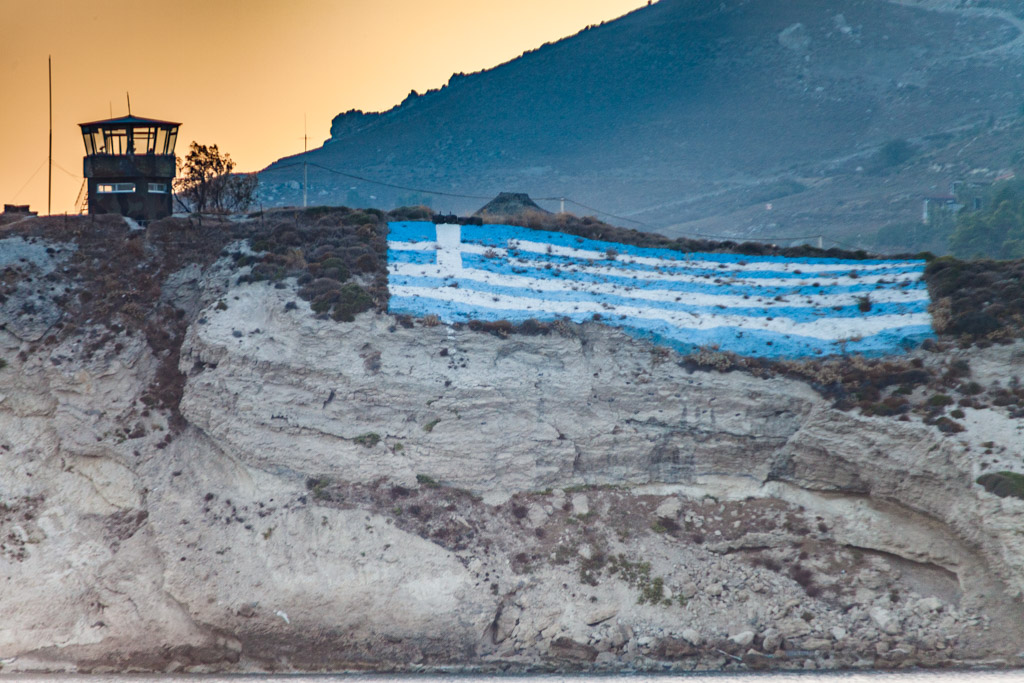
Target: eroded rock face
(371,495)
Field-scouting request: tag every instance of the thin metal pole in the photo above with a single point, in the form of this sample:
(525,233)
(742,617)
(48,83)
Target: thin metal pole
(305,148)
(49,181)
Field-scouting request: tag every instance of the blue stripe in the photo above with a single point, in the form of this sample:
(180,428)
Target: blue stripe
(502,266)
(759,343)
(797,314)
(399,256)
(412,231)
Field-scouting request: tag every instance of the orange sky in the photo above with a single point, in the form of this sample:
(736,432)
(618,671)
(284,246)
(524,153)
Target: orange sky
(240,73)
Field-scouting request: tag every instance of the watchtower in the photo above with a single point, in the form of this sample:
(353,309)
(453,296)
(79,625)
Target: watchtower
(129,165)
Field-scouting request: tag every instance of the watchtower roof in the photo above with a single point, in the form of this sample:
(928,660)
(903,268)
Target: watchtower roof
(129,122)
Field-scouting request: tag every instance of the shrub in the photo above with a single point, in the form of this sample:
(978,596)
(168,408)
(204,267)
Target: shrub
(974,323)
(427,481)
(412,213)
(266,271)
(591,568)
(638,575)
(369,440)
(1003,484)
(318,486)
(971,388)
(334,268)
(352,299)
(665,525)
(364,217)
(893,153)
(802,575)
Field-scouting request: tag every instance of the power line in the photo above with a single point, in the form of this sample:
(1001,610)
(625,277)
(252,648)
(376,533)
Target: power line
(382,183)
(553,199)
(29,180)
(73,175)
(439,193)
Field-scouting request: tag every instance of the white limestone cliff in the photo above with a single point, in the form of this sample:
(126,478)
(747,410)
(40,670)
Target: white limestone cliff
(371,495)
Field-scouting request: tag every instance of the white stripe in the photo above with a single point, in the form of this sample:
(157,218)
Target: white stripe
(752,262)
(449,241)
(652,293)
(825,328)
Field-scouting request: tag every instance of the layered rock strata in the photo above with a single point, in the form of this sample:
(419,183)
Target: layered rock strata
(373,495)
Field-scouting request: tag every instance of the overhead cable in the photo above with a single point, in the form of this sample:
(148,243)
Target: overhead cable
(440,193)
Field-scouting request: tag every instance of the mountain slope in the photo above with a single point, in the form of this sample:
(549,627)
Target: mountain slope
(683,111)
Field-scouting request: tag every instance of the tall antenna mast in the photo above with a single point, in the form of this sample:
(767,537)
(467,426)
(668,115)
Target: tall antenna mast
(49,180)
(129,98)
(305,147)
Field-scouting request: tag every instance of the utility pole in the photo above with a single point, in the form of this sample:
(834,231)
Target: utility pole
(305,147)
(49,180)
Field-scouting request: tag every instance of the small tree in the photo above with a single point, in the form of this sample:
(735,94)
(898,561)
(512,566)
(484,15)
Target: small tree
(206,183)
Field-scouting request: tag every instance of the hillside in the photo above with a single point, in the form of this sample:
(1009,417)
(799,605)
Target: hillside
(692,117)
(220,453)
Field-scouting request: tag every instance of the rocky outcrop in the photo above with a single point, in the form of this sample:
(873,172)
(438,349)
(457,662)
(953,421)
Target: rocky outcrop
(379,495)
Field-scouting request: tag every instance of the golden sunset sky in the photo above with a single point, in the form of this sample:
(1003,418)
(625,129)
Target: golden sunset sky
(240,73)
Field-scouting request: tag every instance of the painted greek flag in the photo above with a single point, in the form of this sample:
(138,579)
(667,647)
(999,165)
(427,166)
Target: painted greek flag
(767,306)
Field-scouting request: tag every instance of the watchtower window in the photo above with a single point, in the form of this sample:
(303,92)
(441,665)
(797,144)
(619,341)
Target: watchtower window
(128,136)
(172,137)
(144,140)
(115,141)
(115,188)
(161,141)
(158,188)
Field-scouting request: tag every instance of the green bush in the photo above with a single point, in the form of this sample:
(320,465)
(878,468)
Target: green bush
(638,575)
(412,213)
(352,299)
(1003,484)
(369,440)
(947,426)
(427,481)
(893,153)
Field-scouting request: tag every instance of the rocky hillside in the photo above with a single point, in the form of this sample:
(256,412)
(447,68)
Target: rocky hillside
(213,459)
(771,119)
